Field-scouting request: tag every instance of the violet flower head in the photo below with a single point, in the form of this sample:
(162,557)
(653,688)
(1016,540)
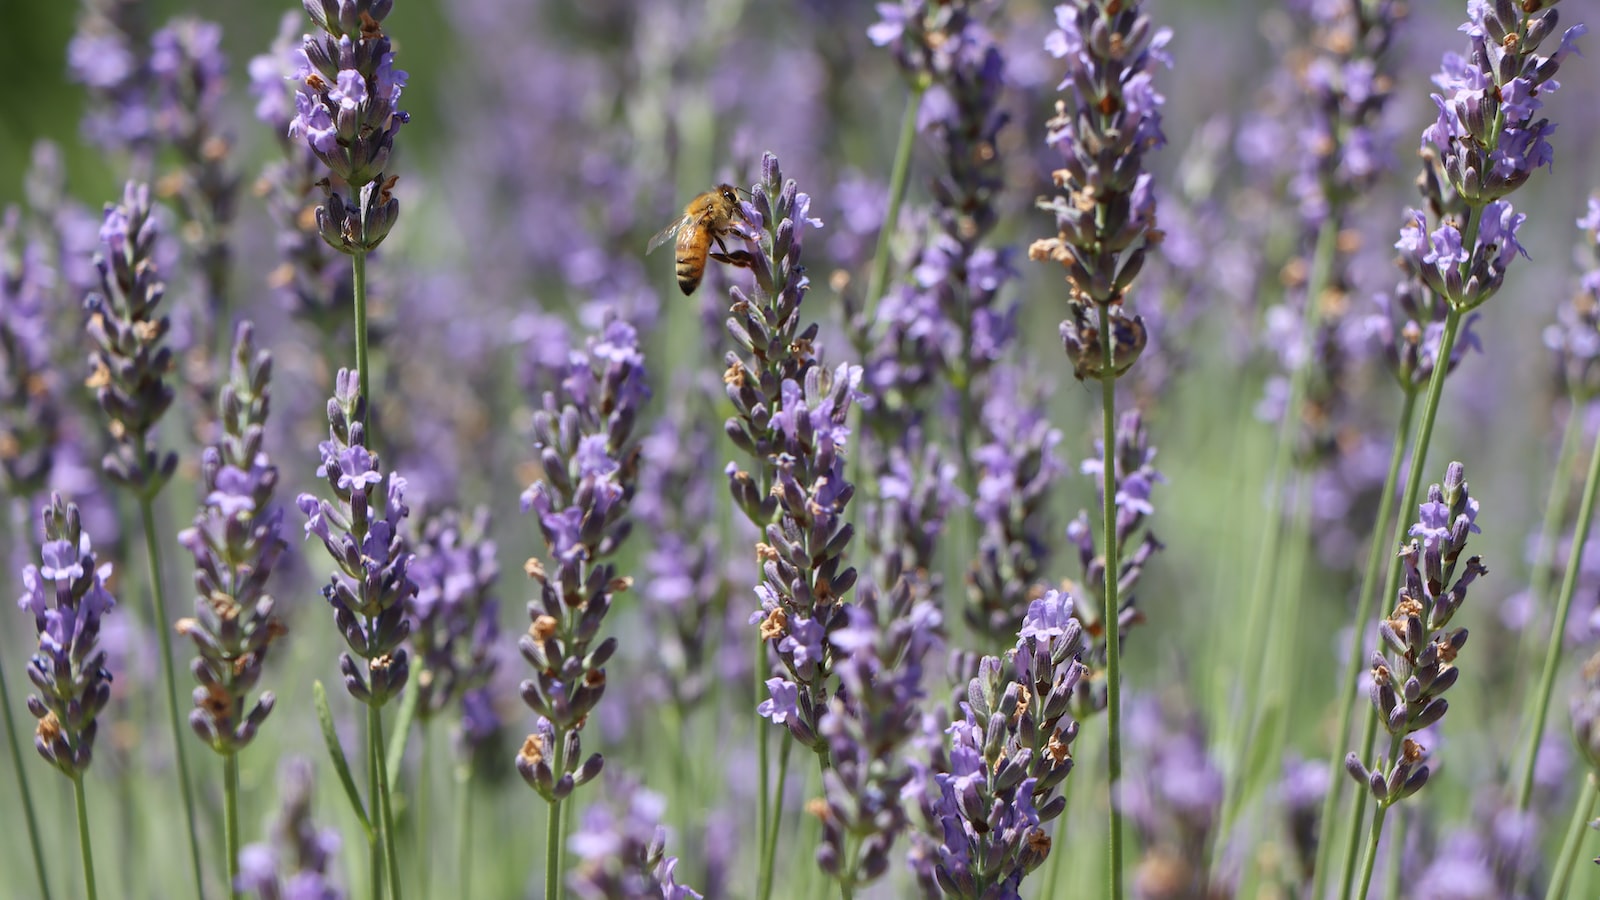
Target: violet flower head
(298,863)
(868,725)
(1486,134)
(1409,328)
(620,849)
(1105,221)
(313,280)
(1017,469)
(1009,752)
(189,71)
(372,587)
(130,361)
(1574,339)
(1174,799)
(236,541)
(347,111)
(454,612)
(105,55)
(590,461)
(790,416)
(1415,664)
(30,411)
(67,598)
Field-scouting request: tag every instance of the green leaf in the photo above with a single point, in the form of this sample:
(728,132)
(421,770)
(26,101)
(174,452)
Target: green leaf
(340,765)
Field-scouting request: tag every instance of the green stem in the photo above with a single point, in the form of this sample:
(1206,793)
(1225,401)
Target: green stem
(163,628)
(1352,846)
(230,807)
(1347,696)
(1261,610)
(374,836)
(1558,628)
(375,720)
(358,262)
(1108,422)
(767,861)
(1555,508)
(763,798)
(83,837)
(464,785)
(1371,857)
(898,177)
(552,828)
(1397,850)
(22,787)
(424,785)
(1582,811)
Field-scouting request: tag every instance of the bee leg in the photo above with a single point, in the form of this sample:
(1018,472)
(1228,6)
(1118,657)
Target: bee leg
(737,258)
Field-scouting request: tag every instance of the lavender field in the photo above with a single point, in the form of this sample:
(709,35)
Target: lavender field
(1052,451)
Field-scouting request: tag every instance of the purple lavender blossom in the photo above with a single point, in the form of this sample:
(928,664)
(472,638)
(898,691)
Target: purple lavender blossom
(130,362)
(236,542)
(790,415)
(67,598)
(105,55)
(1300,792)
(30,425)
(370,591)
(621,850)
(590,464)
(1574,339)
(1173,797)
(1408,684)
(868,724)
(347,111)
(454,612)
(298,863)
(1009,752)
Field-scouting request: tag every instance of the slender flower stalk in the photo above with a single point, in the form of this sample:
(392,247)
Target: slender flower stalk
(1415,665)
(128,374)
(590,461)
(67,597)
(236,542)
(789,415)
(1582,391)
(29,430)
(1105,226)
(997,785)
(1485,143)
(347,111)
(370,590)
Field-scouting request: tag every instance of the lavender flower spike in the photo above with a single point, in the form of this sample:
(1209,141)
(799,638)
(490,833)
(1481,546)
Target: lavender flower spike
(130,362)
(295,866)
(370,590)
(1416,663)
(67,597)
(590,461)
(453,614)
(28,390)
(624,855)
(347,112)
(235,541)
(1010,751)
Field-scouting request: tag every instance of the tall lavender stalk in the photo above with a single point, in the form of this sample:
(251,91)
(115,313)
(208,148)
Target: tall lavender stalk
(790,414)
(1108,119)
(361,529)
(590,462)
(236,542)
(128,374)
(67,597)
(347,112)
(1415,664)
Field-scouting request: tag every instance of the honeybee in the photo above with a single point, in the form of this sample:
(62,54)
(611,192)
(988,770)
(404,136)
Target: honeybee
(705,220)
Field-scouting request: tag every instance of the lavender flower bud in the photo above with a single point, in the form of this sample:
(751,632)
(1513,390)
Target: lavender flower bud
(67,597)
(130,362)
(453,614)
(296,864)
(590,462)
(347,112)
(236,542)
(369,592)
(620,849)
(28,391)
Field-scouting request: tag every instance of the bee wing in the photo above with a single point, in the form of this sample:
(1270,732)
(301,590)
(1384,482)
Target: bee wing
(666,234)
